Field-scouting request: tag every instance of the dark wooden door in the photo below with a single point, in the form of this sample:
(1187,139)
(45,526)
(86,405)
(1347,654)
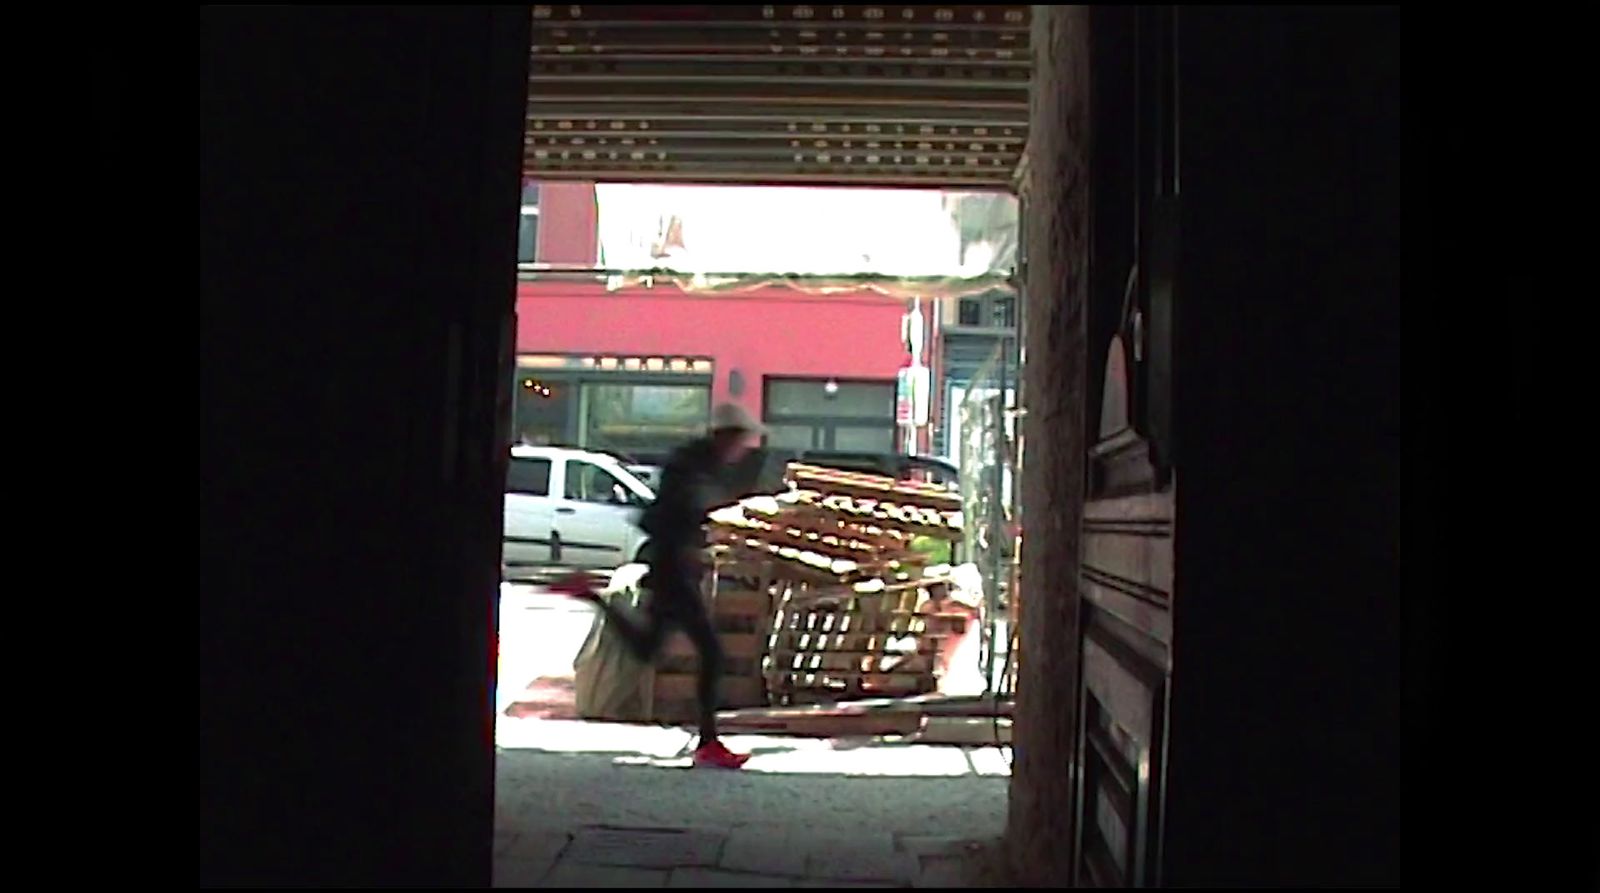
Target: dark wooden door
(1238,625)
(1125,623)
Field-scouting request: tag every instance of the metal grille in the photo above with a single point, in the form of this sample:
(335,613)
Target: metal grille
(963,358)
(933,96)
(987,449)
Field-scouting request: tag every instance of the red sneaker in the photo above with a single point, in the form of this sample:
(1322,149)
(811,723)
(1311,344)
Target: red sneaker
(717,756)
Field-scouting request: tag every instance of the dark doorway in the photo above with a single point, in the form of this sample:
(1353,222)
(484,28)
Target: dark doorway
(359,197)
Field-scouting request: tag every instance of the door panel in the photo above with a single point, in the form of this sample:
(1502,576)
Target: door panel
(1128,574)
(593,526)
(528,517)
(1126,622)
(1122,738)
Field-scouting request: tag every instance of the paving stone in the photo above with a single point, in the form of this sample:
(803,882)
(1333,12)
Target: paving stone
(766,852)
(944,871)
(865,857)
(537,846)
(662,848)
(527,857)
(931,845)
(569,875)
(711,877)
(515,873)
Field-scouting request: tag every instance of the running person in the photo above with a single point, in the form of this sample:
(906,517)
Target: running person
(676,556)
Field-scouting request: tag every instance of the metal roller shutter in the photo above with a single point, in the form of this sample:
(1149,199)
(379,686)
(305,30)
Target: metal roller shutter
(933,96)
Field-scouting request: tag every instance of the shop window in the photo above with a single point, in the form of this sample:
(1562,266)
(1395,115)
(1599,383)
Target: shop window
(790,437)
(992,310)
(643,421)
(543,410)
(830,415)
(859,439)
(1005,313)
(970,312)
(828,398)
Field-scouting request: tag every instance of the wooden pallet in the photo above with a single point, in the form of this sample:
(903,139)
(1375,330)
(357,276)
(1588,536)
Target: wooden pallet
(835,644)
(826,688)
(881,716)
(828,639)
(822,623)
(855,662)
(870,486)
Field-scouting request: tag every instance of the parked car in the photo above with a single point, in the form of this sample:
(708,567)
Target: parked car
(571,508)
(903,466)
(650,474)
(761,471)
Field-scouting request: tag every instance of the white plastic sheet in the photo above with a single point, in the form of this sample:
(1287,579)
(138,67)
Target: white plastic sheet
(902,242)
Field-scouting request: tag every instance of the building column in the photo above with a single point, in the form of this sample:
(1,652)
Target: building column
(1040,832)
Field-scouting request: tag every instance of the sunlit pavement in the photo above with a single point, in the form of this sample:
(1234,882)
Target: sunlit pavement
(540,634)
(583,804)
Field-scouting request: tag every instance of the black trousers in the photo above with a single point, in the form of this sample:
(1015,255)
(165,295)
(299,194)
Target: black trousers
(675,603)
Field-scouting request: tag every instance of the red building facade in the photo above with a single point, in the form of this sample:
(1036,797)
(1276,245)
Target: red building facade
(636,370)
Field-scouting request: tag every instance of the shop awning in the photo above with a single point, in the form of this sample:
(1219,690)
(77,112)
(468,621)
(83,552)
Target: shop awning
(931,96)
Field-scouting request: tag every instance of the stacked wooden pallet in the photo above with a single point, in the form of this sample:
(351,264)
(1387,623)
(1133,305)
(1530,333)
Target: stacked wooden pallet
(829,644)
(742,616)
(897,509)
(851,593)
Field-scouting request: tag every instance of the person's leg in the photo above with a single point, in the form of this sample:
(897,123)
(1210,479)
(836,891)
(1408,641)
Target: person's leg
(703,636)
(678,599)
(679,605)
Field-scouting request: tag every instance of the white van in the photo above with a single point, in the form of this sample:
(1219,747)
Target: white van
(568,508)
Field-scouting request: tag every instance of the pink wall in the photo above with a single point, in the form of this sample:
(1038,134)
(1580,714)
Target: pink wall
(774,331)
(567,219)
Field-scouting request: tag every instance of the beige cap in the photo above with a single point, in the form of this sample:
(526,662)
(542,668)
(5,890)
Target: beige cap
(732,416)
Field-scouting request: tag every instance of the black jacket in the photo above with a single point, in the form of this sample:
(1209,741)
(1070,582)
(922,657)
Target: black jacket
(689,489)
